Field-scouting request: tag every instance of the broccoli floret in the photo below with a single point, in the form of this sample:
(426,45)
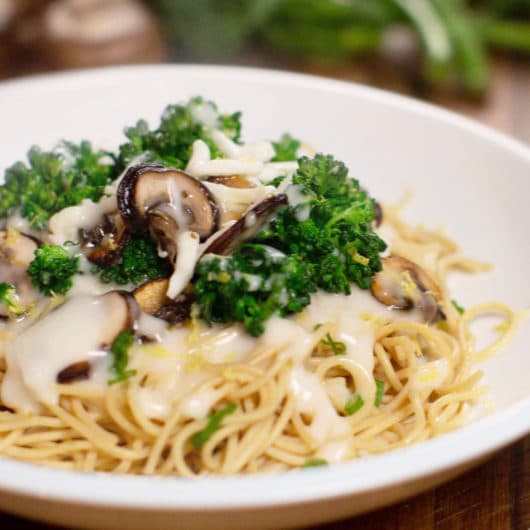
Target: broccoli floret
(331,230)
(285,148)
(53,180)
(171,143)
(250,286)
(139,262)
(9,297)
(325,241)
(52,269)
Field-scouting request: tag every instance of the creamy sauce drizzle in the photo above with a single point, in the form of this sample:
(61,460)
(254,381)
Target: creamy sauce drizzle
(65,336)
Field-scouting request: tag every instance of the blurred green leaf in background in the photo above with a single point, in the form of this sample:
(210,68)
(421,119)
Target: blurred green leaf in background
(453,38)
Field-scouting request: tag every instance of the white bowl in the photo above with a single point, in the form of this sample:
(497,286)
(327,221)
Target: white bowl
(468,178)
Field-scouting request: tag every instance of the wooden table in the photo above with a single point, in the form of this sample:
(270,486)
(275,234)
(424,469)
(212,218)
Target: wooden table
(496,495)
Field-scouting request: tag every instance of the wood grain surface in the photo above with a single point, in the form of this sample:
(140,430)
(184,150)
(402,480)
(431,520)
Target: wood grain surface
(496,495)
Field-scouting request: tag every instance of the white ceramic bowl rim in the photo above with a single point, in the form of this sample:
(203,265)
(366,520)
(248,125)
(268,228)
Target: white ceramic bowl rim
(364,475)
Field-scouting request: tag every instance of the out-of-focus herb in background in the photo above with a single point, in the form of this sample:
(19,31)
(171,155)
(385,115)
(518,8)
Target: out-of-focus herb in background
(431,45)
(448,40)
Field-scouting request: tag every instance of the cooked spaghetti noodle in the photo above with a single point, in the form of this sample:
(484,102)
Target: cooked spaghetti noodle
(427,373)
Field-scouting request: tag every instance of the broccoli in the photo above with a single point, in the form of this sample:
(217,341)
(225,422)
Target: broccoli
(9,297)
(53,180)
(252,285)
(325,241)
(170,144)
(52,269)
(138,263)
(331,230)
(285,148)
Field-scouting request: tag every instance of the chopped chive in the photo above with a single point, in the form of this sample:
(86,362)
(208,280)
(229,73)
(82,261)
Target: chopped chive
(317,326)
(214,422)
(380,390)
(354,403)
(338,348)
(458,307)
(120,357)
(315,462)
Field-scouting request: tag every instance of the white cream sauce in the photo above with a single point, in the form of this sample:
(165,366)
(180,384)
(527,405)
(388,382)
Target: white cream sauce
(65,336)
(200,164)
(65,224)
(234,202)
(187,256)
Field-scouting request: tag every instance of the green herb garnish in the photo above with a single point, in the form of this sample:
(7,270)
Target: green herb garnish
(380,390)
(458,307)
(338,348)
(315,462)
(285,148)
(214,422)
(354,403)
(120,357)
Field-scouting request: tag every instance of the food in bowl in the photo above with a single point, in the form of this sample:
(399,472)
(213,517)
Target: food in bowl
(192,304)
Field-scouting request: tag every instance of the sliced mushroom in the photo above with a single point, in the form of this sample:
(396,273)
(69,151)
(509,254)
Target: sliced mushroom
(177,310)
(246,227)
(232,181)
(16,252)
(404,285)
(151,297)
(75,372)
(104,244)
(121,314)
(147,189)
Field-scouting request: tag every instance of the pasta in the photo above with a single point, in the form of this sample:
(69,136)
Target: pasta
(344,377)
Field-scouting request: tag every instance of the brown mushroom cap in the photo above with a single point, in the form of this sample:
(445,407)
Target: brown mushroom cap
(16,252)
(75,33)
(104,244)
(404,285)
(247,226)
(166,201)
(123,313)
(151,295)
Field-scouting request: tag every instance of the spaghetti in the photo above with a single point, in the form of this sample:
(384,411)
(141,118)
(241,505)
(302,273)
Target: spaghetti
(289,407)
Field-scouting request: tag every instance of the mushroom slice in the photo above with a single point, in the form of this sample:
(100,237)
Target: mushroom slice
(123,314)
(151,295)
(152,298)
(151,191)
(246,227)
(104,244)
(16,252)
(177,310)
(404,285)
(75,372)
(232,181)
